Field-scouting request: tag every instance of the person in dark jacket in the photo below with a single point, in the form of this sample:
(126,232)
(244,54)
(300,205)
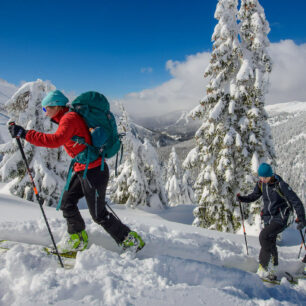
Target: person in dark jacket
(278,201)
(93,186)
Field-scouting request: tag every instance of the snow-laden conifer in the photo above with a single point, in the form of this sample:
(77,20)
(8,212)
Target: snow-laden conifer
(234,137)
(254,136)
(178,186)
(49,166)
(216,183)
(139,176)
(130,186)
(156,194)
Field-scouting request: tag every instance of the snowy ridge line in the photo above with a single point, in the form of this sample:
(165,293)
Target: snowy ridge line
(289,107)
(273,123)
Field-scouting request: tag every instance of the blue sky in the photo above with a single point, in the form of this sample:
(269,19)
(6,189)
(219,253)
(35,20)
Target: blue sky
(117,47)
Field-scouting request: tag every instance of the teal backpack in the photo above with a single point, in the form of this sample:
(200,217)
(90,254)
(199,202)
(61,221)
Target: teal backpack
(94,108)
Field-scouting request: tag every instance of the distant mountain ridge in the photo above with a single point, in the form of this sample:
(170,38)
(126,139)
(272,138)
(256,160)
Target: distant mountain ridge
(6,91)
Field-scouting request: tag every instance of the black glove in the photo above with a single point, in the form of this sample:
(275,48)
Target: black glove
(239,197)
(300,225)
(17,131)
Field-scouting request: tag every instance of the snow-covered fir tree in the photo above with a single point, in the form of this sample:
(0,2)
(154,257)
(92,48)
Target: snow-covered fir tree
(187,190)
(130,186)
(48,166)
(156,194)
(177,182)
(138,181)
(215,184)
(252,85)
(230,143)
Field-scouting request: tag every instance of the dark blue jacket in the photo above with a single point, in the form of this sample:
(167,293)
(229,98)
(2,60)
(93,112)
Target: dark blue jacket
(276,196)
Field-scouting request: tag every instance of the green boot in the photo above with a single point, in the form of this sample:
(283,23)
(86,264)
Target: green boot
(133,242)
(74,243)
(265,272)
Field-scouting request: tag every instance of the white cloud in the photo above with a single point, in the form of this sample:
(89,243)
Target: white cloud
(187,85)
(184,90)
(288,73)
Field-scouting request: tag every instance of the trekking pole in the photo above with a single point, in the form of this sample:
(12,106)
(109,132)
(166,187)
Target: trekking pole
(112,211)
(303,239)
(37,196)
(242,219)
(303,242)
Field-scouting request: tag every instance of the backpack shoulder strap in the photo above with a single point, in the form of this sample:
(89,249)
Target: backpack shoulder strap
(279,191)
(278,188)
(260,185)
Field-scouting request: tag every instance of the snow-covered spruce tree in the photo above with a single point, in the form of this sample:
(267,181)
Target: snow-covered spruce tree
(230,143)
(156,194)
(177,187)
(252,85)
(216,183)
(49,166)
(130,186)
(187,190)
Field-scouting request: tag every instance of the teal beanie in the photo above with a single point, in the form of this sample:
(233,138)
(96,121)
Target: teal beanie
(54,98)
(265,170)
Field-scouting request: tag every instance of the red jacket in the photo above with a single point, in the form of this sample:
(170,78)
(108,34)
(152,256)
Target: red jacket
(69,124)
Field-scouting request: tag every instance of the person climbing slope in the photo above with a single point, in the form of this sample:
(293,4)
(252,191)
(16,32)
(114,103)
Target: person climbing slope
(278,201)
(93,185)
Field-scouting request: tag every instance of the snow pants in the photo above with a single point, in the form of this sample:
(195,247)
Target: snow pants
(267,239)
(93,187)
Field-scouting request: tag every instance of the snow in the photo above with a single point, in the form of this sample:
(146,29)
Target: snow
(289,107)
(179,265)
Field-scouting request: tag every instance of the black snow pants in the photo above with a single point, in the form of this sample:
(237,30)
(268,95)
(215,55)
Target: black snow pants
(93,187)
(267,239)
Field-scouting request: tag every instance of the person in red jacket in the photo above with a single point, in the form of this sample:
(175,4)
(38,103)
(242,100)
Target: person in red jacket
(93,186)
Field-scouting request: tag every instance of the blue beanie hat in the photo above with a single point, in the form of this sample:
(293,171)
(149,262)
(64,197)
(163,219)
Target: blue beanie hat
(265,170)
(54,98)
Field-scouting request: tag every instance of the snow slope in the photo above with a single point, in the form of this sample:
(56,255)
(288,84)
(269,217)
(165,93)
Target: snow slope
(180,265)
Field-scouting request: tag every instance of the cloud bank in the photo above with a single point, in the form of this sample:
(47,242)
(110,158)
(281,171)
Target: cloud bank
(187,84)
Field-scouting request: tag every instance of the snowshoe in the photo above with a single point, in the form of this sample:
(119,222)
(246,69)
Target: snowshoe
(133,242)
(74,243)
(266,273)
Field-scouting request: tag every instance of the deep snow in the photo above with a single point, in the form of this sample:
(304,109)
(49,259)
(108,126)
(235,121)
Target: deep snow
(180,265)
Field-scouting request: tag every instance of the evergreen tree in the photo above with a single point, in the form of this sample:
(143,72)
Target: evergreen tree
(229,143)
(130,186)
(187,190)
(177,183)
(138,181)
(156,194)
(252,85)
(49,166)
(215,138)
